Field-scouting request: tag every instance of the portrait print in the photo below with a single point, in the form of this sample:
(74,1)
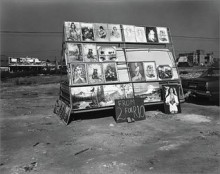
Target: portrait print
(150,71)
(136,71)
(162,34)
(95,73)
(74,52)
(129,33)
(90,53)
(171,99)
(101,32)
(140,34)
(151,34)
(87,32)
(110,72)
(164,72)
(106,53)
(150,92)
(114,33)
(72,31)
(78,74)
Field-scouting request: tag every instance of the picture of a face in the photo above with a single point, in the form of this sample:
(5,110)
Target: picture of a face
(78,74)
(151,34)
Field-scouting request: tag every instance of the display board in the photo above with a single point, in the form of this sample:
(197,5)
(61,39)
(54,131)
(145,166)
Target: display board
(109,62)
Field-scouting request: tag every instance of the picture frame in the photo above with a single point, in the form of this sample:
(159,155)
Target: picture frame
(150,71)
(149,91)
(87,31)
(101,32)
(90,53)
(74,52)
(136,70)
(78,74)
(115,33)
(151,34)
(123,75)
(129,33)
(171,99)
(162,34)
(72,31)
(95,73)
(140,34)
(110,72)
(164,72)
(107,53)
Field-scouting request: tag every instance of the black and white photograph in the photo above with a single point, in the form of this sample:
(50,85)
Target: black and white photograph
(72,31)
(90,53)
(95,73)
(151,34)
(171,99)
(87,31)
(109,87)
(101,32)
(114,32)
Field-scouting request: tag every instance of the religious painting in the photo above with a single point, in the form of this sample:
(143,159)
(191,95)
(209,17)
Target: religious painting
(107,53)
(136,71)
(150,92)
(110,72)
(78,73)
(114,33)
(151,34)
(87,32)
(164,72)
(87,97)
(72,31)
(101,32)
(140,34)
(123,72)
(90,53)
(129,33)
(119,91)
(171,99)
(162,34)
(150,71)
(74,53)
(95,73)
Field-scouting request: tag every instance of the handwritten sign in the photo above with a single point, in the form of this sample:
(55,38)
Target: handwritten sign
(130,107)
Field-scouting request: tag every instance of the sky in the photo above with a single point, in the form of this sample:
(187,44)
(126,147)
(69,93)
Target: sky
(193,24)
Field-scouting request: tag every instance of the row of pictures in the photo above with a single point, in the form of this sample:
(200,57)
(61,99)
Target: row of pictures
(105,95)
(101,32)
(89,53)
(96,73)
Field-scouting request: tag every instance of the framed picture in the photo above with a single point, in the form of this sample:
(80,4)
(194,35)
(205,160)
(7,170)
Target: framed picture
(151,34)
(171,99)
(164,72)
(140,34)
(95,73)
(74,52)
(101,32)
(123,72)
(114,33)
(78,73)
(150,92)
(87,97)
(119,91)
(150,71)
(162,34)
(129,33)
(90,53)
(72,31)
(107,53)
(136,71)
(87,32)
(110,72)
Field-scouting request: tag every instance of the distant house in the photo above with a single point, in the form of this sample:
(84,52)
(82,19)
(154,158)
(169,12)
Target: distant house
(4,63)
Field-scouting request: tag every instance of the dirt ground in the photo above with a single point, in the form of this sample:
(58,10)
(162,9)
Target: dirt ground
(34,140)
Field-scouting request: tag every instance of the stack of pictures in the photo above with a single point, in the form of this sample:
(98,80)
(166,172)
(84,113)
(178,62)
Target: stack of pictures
(162,34)
(110,72)
(74,53)
(95,74)
(87,32)
(150,71)
(136,71)
(79,75)
(114,33)
(129,33)
(151,34)
(90,53)
(72,31)
(101,32)
(107,53)
(140,34)
(164,72)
